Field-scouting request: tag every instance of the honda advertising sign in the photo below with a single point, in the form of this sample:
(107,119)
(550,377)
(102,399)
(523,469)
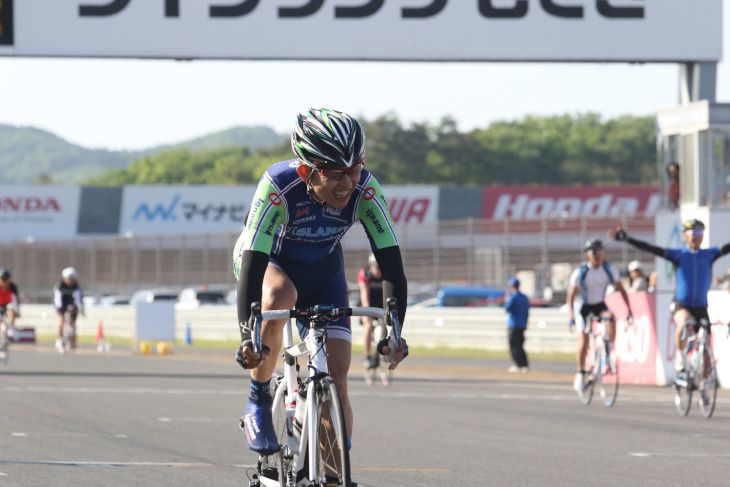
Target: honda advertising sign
(38,212)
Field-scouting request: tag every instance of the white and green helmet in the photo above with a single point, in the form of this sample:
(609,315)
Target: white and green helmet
(328,139)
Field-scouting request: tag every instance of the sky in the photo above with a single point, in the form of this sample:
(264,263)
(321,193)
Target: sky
(126,104)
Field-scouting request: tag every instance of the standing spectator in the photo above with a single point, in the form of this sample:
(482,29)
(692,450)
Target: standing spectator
(724,280)
(638,280)
(518,308)
(673,175)
(651,287)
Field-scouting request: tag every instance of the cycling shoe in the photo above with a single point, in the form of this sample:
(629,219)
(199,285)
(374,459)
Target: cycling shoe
(258,427)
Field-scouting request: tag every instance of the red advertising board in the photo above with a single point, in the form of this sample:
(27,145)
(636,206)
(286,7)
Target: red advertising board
(636,345)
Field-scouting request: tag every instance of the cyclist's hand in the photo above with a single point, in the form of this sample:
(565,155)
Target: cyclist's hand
(400,353)
(571,325)
(618,234)
(246,357)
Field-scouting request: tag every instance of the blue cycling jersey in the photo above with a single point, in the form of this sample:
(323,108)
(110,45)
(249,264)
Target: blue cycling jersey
(286,222)
(694,273)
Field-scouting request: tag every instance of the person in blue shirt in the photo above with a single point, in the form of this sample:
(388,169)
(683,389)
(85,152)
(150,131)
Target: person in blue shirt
(693,268)
(518,308)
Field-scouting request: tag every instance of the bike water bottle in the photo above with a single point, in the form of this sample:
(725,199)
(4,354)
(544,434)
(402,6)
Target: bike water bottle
(301,407)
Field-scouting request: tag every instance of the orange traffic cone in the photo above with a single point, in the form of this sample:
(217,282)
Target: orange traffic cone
(100,344)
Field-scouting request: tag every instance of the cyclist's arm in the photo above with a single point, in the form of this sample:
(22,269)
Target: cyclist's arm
(252,269)
(572,293)
(620,288)
(57,298)
(725,249)
(394,278)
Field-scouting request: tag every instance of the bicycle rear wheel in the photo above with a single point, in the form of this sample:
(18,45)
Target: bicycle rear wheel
(332,455)
(708,383)
(608,374)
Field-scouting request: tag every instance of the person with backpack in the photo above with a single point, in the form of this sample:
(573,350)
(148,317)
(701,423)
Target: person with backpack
(586,296)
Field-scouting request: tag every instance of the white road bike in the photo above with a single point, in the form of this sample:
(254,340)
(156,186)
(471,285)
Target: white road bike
(317,447)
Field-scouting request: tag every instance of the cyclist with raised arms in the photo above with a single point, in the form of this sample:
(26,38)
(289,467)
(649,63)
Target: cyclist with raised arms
(693,267)
(289,253)
(586,296)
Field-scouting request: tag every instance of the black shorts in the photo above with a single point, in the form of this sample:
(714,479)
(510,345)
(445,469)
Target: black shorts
(697,312)
(323,282)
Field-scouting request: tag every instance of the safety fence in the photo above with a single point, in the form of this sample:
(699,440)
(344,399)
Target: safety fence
(469,251)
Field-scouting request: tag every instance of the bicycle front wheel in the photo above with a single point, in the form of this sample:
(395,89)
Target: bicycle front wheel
(4,343)
(707,382)
(683,394)
(331,452)
(591,365)
(608,374)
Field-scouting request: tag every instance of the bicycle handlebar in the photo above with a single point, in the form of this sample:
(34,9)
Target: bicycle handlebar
(322,313)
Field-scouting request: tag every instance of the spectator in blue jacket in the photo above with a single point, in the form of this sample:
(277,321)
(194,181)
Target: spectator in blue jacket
(518,307)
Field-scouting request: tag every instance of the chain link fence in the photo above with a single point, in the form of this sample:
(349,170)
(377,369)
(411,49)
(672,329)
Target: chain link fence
(470,252)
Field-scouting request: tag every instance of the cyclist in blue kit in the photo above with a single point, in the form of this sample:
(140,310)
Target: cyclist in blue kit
(693,267)
(289,253)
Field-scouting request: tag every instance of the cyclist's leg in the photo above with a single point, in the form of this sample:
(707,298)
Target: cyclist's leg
(278,292)
(681,318)
(59,327)
(610,321)
(580,352)
(12,316)
(339,356)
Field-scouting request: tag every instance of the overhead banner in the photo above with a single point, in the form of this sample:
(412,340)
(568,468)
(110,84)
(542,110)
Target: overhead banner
(31,213)
(425,30)
(169,210)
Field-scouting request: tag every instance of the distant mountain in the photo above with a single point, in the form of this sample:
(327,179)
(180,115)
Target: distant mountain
(29,155)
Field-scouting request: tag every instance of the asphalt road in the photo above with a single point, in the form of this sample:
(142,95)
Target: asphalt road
(119,419)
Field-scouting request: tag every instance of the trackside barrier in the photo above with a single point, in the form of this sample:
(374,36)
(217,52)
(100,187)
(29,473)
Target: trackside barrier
(483,328)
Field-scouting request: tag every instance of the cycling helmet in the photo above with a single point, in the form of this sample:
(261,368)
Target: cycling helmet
(328,139)
(69,273)
(693,224)
(593,245)
(5,274)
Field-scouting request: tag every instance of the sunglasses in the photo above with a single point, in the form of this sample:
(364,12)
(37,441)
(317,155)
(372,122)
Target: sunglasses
(339,174)
(697,233)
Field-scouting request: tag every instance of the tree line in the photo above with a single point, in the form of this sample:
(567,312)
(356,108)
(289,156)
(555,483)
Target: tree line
(555,150)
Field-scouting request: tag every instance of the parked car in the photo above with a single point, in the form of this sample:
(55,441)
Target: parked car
(466,295)
(194,297)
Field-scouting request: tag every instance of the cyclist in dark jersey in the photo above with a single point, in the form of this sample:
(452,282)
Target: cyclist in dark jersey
(67,293)
(693,267)
(9,298)
(289,252)
(370,280)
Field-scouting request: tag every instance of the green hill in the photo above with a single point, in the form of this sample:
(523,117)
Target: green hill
(29,155)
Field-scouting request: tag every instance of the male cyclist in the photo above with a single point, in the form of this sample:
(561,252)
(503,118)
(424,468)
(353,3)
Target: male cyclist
(289,253)
(586,296)
(693,267)
(370,280)
(67,293)
(9,298)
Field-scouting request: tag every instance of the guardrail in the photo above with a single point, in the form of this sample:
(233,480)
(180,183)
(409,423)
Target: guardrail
(482,328)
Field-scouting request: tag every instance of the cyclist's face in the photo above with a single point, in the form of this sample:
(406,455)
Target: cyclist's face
(694,238)
(336,187)
(4,283)
(596,257)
